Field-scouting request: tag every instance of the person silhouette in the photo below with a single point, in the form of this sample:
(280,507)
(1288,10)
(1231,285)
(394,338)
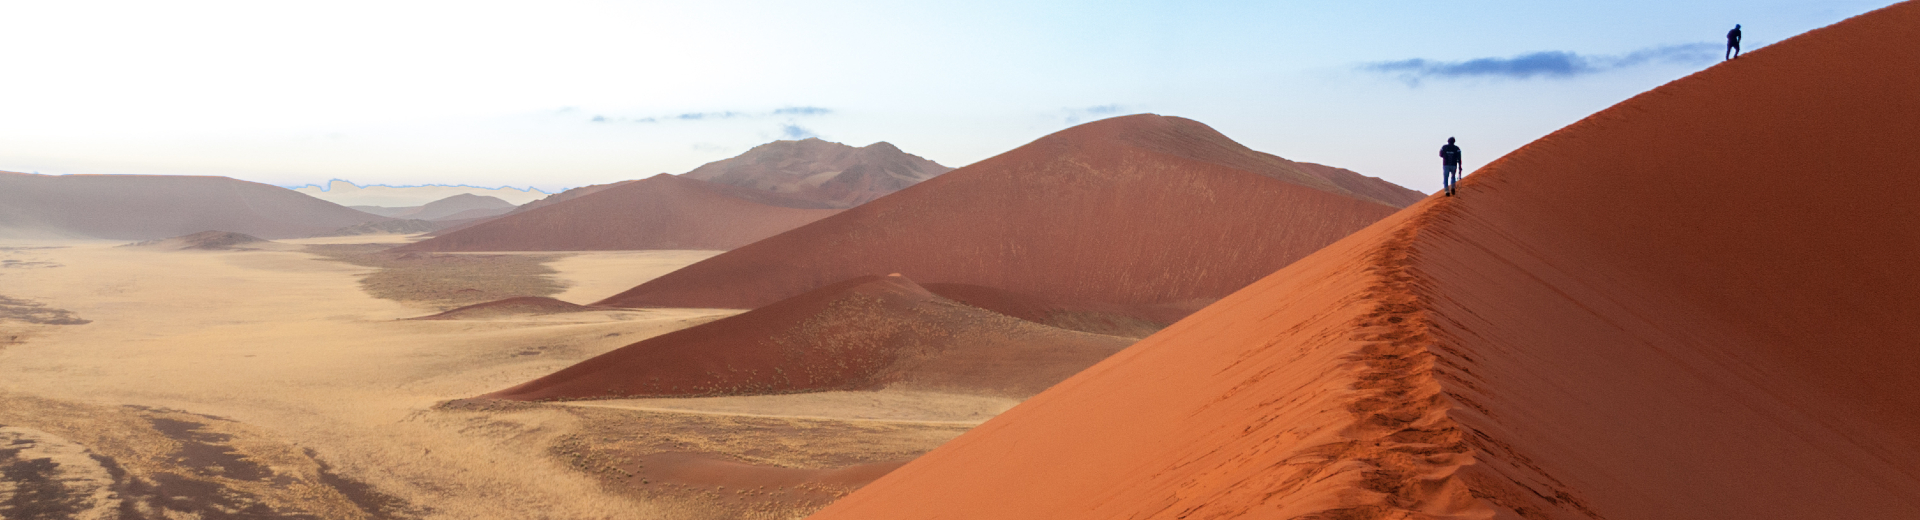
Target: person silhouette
(1733,42)
(1449,165)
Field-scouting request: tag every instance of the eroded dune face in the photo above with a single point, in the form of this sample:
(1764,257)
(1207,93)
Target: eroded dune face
(660,212)
(866,333)
(145,207)
(1133,210)
(1696,304)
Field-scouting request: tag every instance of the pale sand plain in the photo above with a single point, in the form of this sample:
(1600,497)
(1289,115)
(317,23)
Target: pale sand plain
(286,349)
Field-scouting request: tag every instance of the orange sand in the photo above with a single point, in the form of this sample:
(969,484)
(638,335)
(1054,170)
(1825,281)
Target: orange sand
(1696,304)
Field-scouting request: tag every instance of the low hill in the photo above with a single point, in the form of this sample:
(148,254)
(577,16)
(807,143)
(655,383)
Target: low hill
(144,207)
(1709,327)
(865,333)
(1139,210)
(660,212)
(455,206)
(829,173)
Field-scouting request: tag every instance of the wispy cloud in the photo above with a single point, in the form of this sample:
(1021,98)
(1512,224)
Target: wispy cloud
(796,132)
(786,112)
(1549,64)
(802,111)
(1075,115)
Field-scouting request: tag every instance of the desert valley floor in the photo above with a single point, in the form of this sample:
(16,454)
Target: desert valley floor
(260,382)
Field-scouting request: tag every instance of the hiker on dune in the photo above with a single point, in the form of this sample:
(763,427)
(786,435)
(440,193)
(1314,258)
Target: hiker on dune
(1733,42)
(1449,166)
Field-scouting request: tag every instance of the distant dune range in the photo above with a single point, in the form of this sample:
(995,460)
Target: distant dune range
(866,333)
(770,189)
(1159,213)
(659,212)
(145,207)
(1696,304)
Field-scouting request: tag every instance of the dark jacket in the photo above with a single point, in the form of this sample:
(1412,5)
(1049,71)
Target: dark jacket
(1450,154)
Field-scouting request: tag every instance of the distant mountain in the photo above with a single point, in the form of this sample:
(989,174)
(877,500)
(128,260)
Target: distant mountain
(660,212)
(347,193)
(834,174)
(143,207)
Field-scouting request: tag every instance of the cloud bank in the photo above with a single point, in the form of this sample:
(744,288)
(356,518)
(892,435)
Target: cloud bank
(1550,64)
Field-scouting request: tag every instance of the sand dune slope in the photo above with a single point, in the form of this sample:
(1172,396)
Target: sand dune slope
(659,212)
(1697,304)
(865,333)
(144,207)
(1139,209)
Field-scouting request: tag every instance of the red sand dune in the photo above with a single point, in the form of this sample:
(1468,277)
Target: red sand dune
(1696,304)
(145,207)
(1131,210)
(834,174)
(659,212)
(865,333)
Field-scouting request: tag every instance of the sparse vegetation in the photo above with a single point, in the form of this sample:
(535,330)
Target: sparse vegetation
(446,280)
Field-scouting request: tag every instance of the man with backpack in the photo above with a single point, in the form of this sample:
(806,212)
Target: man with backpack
(1450,166)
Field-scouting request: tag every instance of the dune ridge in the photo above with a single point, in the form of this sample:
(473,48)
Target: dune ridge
(1689,330)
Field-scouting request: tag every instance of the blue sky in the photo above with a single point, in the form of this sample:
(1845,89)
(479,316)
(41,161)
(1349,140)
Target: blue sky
(561,94)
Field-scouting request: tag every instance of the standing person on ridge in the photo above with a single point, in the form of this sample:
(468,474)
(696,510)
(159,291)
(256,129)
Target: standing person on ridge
(1733,42)
(1450,166)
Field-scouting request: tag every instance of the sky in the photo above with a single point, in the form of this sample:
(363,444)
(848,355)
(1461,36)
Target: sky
(560,94)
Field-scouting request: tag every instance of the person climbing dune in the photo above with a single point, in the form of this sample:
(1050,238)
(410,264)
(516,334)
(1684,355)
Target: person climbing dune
(1733,42)
(1449,165)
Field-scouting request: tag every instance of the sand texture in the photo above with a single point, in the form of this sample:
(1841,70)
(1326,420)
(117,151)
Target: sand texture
(867,333)
(660,212)
(274,384)
(1697,304)
(1136,210)
(830,173)
(147,207)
